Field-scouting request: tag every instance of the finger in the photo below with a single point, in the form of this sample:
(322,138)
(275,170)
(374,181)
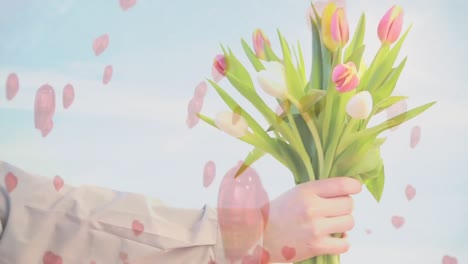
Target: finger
(334,187)
(331,246)
(334,225)
(338,206)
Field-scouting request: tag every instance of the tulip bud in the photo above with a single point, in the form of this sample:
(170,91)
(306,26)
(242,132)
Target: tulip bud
(345,77)
(390,25)
(340,27)
(231,123)
(259,42)
(220,64)
(360,105)
(273,79)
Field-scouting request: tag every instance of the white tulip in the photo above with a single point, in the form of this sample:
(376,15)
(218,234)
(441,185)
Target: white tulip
(231,123)
(360,105)
(273,79)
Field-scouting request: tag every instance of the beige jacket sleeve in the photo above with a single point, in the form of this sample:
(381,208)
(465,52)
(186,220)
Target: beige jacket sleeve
(44,221)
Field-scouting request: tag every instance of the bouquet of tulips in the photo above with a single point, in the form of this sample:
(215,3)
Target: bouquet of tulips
(322,129)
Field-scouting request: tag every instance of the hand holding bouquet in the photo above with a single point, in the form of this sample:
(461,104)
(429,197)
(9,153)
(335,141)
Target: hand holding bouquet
(323,129)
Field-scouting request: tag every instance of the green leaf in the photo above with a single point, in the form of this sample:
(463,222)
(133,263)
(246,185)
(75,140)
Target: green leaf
(375,185)
(360,157)
(393,122)
(295,85)
(317,67)
(298,168)
(372,68)
(252,157)
(301,65)
(308,101)
(358,38)
(356,57)
(388,102)
(386,89)
(385,67)
(237,70)
(252,57)
(270,54)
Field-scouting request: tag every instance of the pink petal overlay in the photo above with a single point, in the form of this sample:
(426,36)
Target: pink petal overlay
(47,128)
(12,86)
(259,256)
(50,258)
(217,77)
(449,260)
(100,44)
(368,231)
(212,261)
(68,96)
(410,192)
(44,107)
(92,262)
(288,252)
(398,221)
(192,121)
(58,183)
(11,181)
(137,227)
(107,76)
(415,136)
(195,105)
(397,109)
(240,214)
(123,256)
(209,173)
(127,4)
(200,90)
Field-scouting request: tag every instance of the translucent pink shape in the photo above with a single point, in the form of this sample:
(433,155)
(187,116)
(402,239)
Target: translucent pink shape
(396,110)
(58,183)
(192,121)
(368,231)
(11,181)
(68,96)
(449,260)
(137,227)
(127,4)
(200,90)
(195,106)
(48,127)
(100,44)
(216,75)
(288,252)
(259,256)
(415,136)
(209,173)
(50,258)
(12,86)
(44,107)
(107,76)
(410,192)
(398,221)
(123,256)
(243,208)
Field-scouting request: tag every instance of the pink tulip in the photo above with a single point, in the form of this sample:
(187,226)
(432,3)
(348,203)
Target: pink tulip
(340,27)
(390,25)
(12,86)
(242,211)
(44,109)
(259,42)
(68,96)
(220,64)
(345,77)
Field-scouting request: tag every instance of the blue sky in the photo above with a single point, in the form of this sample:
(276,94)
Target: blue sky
(130,135)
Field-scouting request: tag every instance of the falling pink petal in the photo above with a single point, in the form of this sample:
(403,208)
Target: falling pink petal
(51,258)
(44,107)
(12,86)
(11,181)
(58,183)
(368,231)
(396,110)
(107,76)
(68,96)
(195,106)
(217,76)
(288,252)
(209,173)
(48,127)
(415,136)
(242,211)
(123,255)
(100,44)
(192,121)
(200,90)
(398,221)
(410,192)
(137,227)
(449,260)
(127,4)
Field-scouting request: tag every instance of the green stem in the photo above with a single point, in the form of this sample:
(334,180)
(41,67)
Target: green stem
(315,134)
